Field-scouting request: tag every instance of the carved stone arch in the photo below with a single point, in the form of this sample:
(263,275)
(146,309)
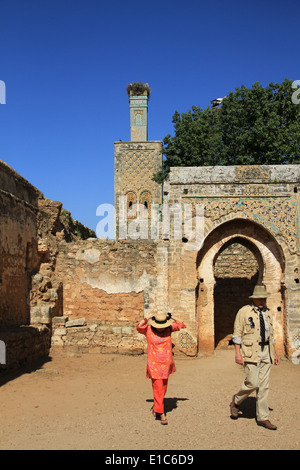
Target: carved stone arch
(131,202)
(271,263)
(145,199)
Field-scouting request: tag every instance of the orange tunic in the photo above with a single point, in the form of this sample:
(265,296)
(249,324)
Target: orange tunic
(160,362)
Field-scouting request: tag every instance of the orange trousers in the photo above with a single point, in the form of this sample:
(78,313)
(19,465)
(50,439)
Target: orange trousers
(159,387)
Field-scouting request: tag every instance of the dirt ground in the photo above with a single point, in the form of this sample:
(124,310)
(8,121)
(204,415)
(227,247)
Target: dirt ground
(93,401)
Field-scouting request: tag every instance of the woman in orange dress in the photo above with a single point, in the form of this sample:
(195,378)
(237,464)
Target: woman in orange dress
(160,362)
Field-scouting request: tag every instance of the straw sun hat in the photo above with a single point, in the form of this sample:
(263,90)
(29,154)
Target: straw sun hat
(161,320)
(260,292)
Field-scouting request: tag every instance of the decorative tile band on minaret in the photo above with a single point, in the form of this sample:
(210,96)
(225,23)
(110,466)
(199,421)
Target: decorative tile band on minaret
(139,94)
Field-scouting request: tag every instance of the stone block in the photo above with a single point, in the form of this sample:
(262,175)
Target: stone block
(77,322)
(117,330)
(41,314)
(57,341)
(131,346)
(59,332)
(127,330)
(59,320)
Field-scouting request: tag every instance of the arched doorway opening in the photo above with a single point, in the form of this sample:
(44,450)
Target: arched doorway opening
(238,267)
(246,254)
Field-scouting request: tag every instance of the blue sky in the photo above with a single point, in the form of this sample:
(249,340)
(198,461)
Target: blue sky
(66,64)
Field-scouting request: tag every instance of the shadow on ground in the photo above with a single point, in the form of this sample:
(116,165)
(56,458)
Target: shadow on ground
(170,403)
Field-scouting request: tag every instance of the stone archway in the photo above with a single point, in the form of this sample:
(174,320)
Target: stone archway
(238,267)
(270,270)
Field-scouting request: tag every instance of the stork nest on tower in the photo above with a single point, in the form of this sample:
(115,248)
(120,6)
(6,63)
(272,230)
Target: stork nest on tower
(138,89)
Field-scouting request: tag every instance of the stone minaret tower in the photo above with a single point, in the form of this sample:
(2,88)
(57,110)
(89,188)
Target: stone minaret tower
(138,99)
(136,161)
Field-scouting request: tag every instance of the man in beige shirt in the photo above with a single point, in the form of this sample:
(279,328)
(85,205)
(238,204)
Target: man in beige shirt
(255,349)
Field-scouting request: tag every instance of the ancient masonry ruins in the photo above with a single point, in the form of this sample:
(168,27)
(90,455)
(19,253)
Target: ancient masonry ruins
(62,288)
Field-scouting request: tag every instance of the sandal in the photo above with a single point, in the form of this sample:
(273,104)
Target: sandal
(163,421)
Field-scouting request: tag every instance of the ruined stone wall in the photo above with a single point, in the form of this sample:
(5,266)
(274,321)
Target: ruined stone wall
(18,245)
(55,276)
(19,259)
(54,224)
(30,229)
(107,288)
(25,345)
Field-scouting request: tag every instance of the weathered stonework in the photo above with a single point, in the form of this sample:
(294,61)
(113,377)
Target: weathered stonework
(57,279)
(19,259)
(99,289)
(252,207)
(25,345)
(138,117)
(96,337)
(112,285)
(110,282)
(30,295)
(135,165)
(18,245)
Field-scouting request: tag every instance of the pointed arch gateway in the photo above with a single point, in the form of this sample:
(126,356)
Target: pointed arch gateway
(235,256)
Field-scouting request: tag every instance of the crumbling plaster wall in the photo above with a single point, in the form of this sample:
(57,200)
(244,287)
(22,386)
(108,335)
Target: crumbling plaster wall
(108,286)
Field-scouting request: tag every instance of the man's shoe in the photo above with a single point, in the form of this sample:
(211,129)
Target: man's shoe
(234,409)
(267,424)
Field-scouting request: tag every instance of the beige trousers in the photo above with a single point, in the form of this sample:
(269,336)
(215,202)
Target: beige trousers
(257,378)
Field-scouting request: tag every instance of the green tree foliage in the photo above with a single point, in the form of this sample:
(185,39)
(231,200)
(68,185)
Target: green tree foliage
(254,126)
